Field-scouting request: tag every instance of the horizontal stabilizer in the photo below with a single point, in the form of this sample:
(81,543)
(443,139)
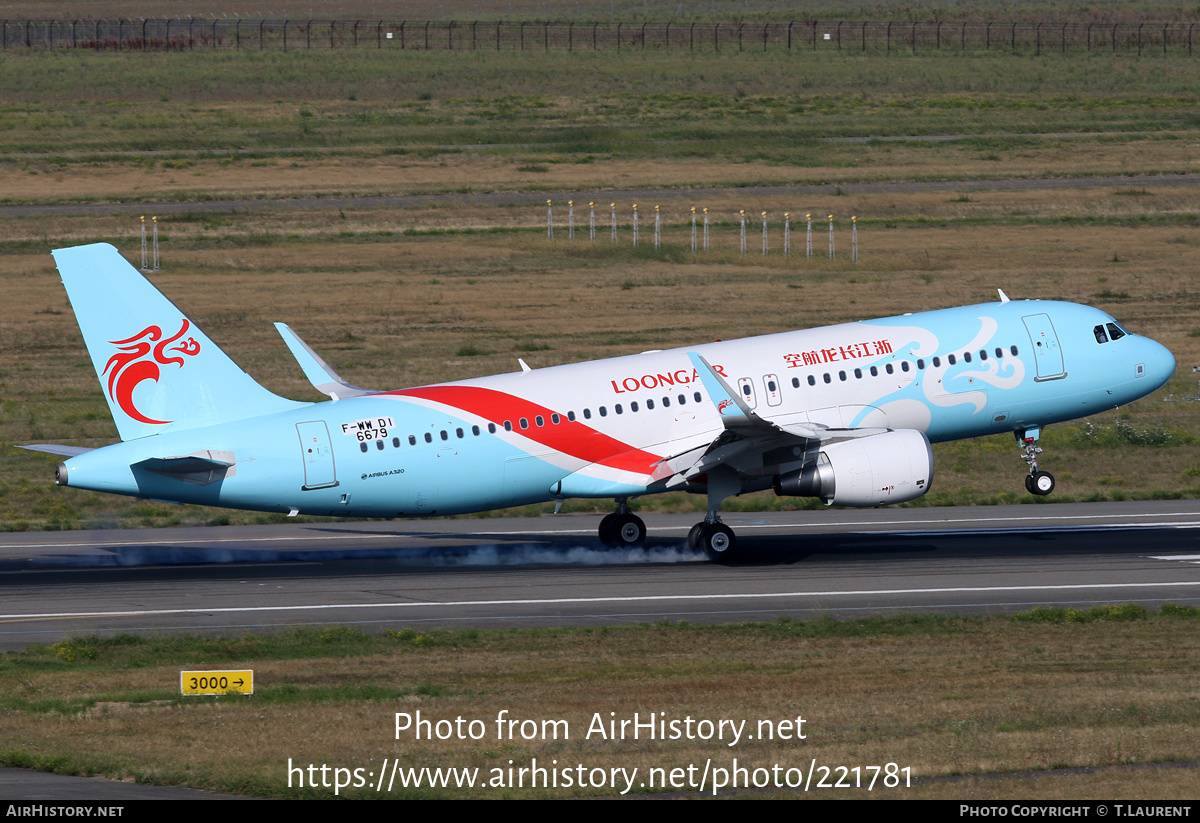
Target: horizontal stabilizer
(198,468)
(54,448)
(323,378)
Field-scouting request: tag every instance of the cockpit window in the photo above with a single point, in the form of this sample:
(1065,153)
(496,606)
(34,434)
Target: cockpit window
(1101,337)
(1115,331)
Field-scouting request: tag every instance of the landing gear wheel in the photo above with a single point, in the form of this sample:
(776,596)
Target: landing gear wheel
(1029,484)
(694,536)
(718,541)
(1041,483)
(631,531)
(622,529)
(608,530)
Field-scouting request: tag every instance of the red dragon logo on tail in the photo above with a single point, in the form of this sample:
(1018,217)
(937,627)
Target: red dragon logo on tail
(128,368)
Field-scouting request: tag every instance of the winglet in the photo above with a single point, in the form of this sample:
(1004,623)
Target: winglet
(731,408)
(323,378)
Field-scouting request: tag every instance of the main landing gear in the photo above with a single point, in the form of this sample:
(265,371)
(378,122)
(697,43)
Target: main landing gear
(714,537)
(1036,482)
(622,527)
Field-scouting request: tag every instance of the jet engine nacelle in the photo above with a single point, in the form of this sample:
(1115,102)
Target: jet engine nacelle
(893,467)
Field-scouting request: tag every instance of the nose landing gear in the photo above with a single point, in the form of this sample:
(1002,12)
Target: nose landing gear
(1036,482)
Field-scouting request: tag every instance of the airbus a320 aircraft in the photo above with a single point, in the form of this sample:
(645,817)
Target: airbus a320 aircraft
(844,413)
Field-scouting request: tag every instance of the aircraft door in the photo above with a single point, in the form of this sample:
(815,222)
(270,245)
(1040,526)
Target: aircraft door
(1046,351)
(317,453)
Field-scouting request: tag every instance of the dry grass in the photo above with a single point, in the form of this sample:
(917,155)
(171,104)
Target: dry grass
(298,175)
(961,698)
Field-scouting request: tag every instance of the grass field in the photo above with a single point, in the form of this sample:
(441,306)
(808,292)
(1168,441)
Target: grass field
(1052,689)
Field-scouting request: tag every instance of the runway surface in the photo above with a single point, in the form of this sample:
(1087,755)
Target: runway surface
(551,571)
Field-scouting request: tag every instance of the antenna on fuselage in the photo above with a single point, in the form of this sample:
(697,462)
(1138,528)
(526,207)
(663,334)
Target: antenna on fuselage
(1003,296)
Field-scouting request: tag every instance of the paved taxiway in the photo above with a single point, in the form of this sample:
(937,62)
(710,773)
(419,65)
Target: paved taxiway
(542,571)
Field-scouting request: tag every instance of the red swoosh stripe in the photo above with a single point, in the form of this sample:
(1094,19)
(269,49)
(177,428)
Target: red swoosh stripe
(568,437)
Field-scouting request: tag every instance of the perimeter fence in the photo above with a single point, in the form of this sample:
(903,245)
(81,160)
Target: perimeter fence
(241,34)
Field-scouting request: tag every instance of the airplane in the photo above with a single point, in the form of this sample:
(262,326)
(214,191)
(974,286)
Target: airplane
(843,413)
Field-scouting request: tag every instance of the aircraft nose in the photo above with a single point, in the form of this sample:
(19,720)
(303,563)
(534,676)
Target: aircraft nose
(1160,363)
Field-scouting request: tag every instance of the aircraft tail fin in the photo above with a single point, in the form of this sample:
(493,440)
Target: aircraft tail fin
(158,370)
